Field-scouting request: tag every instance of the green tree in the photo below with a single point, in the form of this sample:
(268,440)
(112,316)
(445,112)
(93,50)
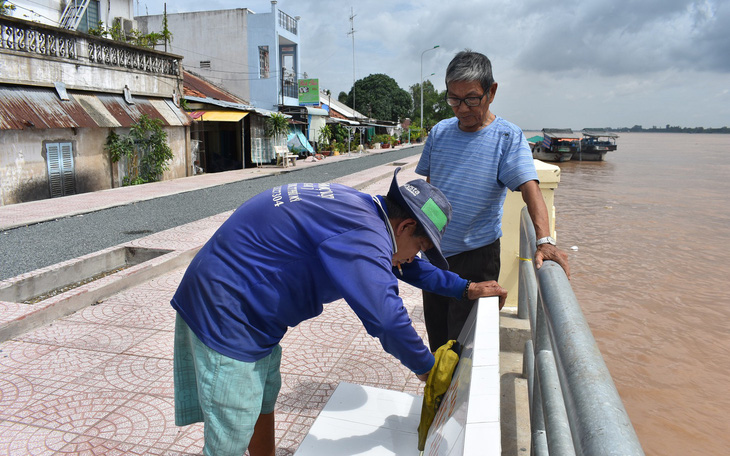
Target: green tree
(146,149)
(166,33)
(342,98)
(383,97)
(435,108)
(277,126)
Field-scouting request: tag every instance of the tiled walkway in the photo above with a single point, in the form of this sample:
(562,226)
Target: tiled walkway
(99,382)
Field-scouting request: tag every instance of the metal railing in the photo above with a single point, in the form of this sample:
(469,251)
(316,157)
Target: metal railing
(575,408)
(288,23)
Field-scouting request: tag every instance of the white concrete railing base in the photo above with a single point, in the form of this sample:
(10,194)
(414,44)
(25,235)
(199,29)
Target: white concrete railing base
(362,420)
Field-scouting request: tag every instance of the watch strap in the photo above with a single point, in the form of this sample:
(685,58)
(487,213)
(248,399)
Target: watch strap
(545,240)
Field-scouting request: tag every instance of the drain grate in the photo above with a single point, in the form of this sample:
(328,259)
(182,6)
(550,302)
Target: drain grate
(71,286)
(67,276)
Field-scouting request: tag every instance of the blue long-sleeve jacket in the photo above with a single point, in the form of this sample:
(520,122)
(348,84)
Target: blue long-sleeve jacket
(286,252)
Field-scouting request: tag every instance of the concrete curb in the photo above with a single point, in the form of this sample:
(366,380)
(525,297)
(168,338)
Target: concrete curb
(90,294)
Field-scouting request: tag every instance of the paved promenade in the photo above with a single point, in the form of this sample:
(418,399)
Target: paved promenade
(98,381)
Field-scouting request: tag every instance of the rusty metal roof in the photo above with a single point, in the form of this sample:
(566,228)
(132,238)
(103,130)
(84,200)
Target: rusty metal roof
(24,107)
(196,86)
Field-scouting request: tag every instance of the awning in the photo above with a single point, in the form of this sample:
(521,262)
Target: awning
(342,121)
(317,111)
(218,116)
(23,107)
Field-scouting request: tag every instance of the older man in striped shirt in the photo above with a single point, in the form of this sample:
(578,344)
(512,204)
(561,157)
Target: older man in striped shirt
(473,158)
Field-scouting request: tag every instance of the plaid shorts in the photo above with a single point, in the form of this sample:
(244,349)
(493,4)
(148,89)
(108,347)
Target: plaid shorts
(226,394)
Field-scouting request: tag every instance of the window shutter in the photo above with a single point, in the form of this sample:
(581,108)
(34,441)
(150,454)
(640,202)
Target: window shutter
(67,161)
(60,169)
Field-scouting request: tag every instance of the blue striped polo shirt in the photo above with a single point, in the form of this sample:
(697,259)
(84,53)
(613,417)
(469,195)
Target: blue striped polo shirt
(474,170)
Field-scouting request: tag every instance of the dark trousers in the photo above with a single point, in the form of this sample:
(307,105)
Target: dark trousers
(445,316)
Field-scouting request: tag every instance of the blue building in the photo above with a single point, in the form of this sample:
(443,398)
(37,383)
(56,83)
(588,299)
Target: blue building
(255,56)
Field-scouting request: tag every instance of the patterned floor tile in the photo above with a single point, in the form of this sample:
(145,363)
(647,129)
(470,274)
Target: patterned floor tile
(16,354)
(370,368)
(104,338)
(303,395)
(103,314)
(63,365)
(160,345)
(306,359)
(132,374)
(84,445)
(61,333)
(74,412)
(143,419)
(18,392)
(188,440)
(102,378)
(20,439)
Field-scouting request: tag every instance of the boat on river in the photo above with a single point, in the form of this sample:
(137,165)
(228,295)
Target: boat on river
(595,144)
(556,145)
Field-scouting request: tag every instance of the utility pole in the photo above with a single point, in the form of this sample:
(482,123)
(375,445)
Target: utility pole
(430,49)
(164,15)
(352,32)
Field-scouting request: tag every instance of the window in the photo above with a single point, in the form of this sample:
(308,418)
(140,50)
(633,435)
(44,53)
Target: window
(90,19)
(263,62)
(288,71)
(205,64)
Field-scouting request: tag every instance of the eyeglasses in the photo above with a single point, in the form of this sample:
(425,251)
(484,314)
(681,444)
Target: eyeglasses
(469,101)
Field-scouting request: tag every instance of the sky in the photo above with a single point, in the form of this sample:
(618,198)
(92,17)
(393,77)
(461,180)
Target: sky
(559,64)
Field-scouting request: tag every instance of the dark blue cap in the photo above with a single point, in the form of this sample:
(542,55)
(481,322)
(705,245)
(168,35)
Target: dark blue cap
(429,207)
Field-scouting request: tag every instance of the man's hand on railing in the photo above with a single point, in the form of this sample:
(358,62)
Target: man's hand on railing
(550,252)
(486,289)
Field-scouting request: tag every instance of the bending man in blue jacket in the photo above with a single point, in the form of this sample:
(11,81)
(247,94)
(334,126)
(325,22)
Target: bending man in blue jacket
(238,297)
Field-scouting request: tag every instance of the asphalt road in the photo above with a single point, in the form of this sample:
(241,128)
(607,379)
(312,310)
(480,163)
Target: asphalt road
(27,248)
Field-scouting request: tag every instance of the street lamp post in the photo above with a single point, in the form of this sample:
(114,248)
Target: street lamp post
(422,81)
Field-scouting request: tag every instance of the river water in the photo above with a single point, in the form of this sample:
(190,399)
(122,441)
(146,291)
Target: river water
(652,229)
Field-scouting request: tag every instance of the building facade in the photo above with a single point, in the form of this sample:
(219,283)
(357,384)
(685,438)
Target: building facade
(255,56)
(63,92)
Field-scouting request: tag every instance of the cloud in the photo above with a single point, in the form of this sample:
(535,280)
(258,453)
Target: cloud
(629,37)
(603,62)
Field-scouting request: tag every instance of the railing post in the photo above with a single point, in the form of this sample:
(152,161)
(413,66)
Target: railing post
(527,291)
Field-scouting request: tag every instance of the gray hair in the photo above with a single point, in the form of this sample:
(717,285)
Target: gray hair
(470,66)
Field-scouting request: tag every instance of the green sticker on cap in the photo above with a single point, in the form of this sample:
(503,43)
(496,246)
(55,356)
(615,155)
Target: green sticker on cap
(435,214)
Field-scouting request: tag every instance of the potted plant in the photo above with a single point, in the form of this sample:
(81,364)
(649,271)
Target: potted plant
(385,141)
(277,128)
(324,138)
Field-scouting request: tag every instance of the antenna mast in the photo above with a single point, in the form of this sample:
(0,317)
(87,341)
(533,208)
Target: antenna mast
(352,32)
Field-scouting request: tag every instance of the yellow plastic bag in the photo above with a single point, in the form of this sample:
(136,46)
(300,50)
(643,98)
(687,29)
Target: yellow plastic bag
(438,382)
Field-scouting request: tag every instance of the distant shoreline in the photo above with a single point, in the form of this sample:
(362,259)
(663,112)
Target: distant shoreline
(639,129)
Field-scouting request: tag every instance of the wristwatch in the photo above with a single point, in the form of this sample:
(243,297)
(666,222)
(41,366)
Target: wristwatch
(545,240)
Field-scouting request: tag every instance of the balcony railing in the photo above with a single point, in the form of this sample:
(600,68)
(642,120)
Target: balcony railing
(22,36)
(16,36)
(288,23)
(107,53)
